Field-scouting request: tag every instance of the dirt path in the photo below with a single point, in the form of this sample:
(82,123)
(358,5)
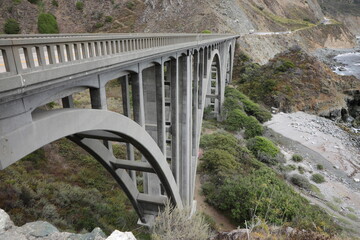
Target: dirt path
(223,224)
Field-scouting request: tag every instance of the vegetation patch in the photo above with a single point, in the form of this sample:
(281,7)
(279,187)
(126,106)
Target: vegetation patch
(300,181)
(47,23)
(297,158)
(173,224)
(318,178)
(11,26)
(79,5)
(264,149)
(70,189)
(251,108)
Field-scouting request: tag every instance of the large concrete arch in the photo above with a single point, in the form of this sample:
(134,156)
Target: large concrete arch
(49,126)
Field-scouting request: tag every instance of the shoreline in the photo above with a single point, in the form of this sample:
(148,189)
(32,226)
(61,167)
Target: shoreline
(321,142)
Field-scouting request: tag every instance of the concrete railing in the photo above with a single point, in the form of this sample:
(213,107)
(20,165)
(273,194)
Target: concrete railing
(26,53)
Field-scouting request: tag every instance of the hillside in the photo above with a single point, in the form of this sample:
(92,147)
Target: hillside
(303,18)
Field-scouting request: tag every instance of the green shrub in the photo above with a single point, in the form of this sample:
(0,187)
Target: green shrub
(55,3)
(47,23)
(264,149)
(172,223)
(301,170)
(16,2)
(253,127)
(206,31)
(297,158)
(99,25)
(79,5)
(320,167)
(285,65)
(222,141)
(108,19)
(318,178)
(216,160)
(11,26)
(235,120)
(300,181)
(232,104)
(250,107)
(130,5)
(34,1)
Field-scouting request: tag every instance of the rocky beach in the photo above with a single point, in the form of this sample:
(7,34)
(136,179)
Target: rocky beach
(323,142)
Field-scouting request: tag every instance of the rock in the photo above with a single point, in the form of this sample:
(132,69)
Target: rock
(289,230)
(5,221)
(37,229)
(12,235)
(117,235)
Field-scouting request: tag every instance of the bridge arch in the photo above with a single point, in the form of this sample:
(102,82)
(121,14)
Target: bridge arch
(108,125)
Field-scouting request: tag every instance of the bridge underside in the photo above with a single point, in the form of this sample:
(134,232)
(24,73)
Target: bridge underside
(164,94)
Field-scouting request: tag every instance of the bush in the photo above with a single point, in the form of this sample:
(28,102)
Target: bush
(297,158)
(300,181)
(79,5)
(173,224)
(216,160)
(250,107)
(285,65)
(320,167)
(99,25)
(11,26)
(55,3)
(264,149)
(253,127)
(235,120)
(318,178)
(33,1)
(206,31)
(130,5)
(222,141)
(47,23)
(108,19)
(232,104)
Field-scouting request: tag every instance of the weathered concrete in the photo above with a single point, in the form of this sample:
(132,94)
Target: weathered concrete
(171,77)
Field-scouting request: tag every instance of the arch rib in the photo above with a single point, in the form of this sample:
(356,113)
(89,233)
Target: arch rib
(49,126)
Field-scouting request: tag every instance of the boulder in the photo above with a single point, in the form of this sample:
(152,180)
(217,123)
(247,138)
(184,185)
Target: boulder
(117,235)
(5,221)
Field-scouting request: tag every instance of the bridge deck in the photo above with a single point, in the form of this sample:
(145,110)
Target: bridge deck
(30,61)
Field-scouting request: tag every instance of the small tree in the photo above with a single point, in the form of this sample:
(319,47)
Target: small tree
(79,5)
(11,26)
(47,23)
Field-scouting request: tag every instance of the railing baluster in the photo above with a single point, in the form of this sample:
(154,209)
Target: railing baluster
(29,58)
(40,55)
(69,52)
(84,50)
(51,54)
(77,54)
(61,52)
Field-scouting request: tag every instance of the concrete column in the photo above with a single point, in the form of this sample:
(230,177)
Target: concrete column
(98,98)
(175,135)
(68,102)
(98,101)
(185,128)
(126,107)
(201,78)
(151,110)
(160,107)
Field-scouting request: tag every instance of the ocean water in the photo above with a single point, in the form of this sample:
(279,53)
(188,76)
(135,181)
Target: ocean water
(349,64)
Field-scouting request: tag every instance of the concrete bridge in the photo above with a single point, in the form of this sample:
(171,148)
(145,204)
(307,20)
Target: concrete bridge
(167,80)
